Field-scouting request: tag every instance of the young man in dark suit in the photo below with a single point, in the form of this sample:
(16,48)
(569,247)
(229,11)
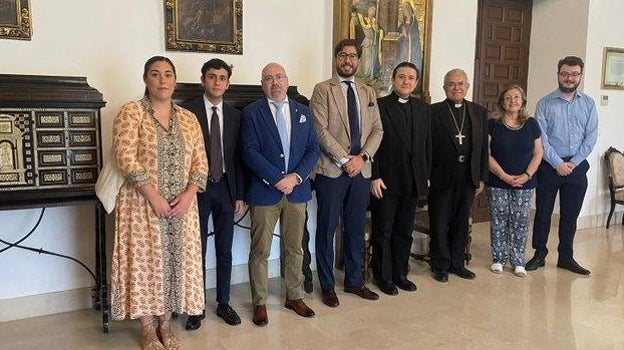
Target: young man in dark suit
(400,176)
(459,168)
(220,124)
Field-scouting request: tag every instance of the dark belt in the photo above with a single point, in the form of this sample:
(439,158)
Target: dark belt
(462,158)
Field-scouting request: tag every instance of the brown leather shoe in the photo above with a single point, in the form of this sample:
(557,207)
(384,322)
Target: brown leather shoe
(329,297)
(362,292)
(260,317)
(299,307)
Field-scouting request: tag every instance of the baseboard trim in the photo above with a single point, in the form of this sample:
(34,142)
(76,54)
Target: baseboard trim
(45,304)
(80,299)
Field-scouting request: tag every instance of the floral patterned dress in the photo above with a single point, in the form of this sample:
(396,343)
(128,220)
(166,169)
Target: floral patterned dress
(157,264)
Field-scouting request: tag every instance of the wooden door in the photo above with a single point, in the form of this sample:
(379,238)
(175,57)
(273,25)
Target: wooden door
(502,58)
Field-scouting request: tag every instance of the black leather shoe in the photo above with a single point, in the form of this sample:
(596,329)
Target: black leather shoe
(573,266)
(330,298)
(228,314)
(440,276)
(387,288)
(405,284)
(362,292)
(193,323)
(463,273)
(535,263)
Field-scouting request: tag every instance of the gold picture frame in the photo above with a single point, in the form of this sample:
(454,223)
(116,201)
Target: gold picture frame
(613,69)
(15,19)
(388,34)
(204,26)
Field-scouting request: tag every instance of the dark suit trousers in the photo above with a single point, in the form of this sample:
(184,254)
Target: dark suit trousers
(349,197)
(571,190)
(221,208)
(449,212)
(392,224)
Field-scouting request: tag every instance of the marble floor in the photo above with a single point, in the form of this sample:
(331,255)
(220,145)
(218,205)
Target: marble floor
(549,309)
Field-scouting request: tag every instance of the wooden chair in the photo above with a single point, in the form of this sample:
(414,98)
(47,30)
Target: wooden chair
(614,160)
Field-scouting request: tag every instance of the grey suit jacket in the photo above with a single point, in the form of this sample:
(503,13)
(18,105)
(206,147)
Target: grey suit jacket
(329,110)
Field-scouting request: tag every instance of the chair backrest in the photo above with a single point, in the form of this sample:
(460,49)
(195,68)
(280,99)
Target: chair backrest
(615,164)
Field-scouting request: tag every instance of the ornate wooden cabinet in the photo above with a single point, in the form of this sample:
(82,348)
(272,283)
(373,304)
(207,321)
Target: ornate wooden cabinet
(50,152)
(49,138)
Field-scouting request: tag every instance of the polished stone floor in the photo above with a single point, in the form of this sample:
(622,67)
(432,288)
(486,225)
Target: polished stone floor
(549,309)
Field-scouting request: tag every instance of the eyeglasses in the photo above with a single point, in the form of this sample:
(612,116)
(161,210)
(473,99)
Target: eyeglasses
(459,84)
(570,75)
(280,78)
(343,56)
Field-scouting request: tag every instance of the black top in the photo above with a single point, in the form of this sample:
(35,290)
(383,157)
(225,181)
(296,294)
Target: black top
(513,150)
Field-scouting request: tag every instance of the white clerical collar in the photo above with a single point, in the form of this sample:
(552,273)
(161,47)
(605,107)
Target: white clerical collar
(403,100)
(458,105)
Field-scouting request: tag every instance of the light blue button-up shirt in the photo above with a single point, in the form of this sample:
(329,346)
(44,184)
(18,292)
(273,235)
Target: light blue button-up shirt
(569,128)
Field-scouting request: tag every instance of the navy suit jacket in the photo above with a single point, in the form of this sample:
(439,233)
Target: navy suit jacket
(263,153)
(231,149)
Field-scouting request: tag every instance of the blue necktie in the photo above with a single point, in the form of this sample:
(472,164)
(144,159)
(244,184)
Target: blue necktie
(354,119)
(280,120)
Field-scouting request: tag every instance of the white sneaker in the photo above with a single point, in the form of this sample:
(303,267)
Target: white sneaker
(496,268)
(520,271)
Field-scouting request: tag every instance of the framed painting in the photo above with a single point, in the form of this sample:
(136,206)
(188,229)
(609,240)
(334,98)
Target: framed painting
(15,20)
(390,32)
(613,69)
(204,26)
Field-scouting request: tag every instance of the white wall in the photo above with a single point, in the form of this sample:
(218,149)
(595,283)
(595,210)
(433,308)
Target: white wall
(453,35)
(604,29)
(581,28)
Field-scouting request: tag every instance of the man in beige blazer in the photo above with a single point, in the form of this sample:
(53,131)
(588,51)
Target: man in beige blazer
(347,122)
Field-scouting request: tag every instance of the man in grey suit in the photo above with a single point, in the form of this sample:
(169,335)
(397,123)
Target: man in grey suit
(346,119)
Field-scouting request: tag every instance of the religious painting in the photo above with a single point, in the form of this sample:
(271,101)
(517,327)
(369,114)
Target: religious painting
(389,32)
(204,26)
(15,19)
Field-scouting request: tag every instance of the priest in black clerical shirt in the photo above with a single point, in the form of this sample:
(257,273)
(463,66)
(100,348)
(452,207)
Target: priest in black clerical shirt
(400,174)
(459,168)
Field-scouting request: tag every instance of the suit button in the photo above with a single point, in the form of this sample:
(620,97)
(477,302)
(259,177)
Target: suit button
(281,155)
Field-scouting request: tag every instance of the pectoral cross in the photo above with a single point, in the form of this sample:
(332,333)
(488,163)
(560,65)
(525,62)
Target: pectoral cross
(460,137)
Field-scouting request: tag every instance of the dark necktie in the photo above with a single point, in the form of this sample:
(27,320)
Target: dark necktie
(216,156)
(354,119)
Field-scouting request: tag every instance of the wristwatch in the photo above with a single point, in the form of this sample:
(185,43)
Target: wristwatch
(365,157)
(529,175)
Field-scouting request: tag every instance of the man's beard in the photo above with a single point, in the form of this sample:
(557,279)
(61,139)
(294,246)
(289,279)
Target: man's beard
(565,89)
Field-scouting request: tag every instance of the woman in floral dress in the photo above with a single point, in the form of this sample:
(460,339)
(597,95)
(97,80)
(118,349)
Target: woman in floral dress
(156,268)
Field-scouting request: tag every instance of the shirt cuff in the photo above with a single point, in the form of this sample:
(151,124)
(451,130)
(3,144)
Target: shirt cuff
(299,179)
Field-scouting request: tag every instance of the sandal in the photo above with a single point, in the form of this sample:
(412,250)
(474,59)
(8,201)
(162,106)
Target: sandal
(166,336)
(149,338)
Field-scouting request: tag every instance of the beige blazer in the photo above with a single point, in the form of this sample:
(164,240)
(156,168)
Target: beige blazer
(329,111)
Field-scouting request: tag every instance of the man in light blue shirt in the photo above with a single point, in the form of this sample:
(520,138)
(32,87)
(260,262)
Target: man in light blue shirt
(569,124)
